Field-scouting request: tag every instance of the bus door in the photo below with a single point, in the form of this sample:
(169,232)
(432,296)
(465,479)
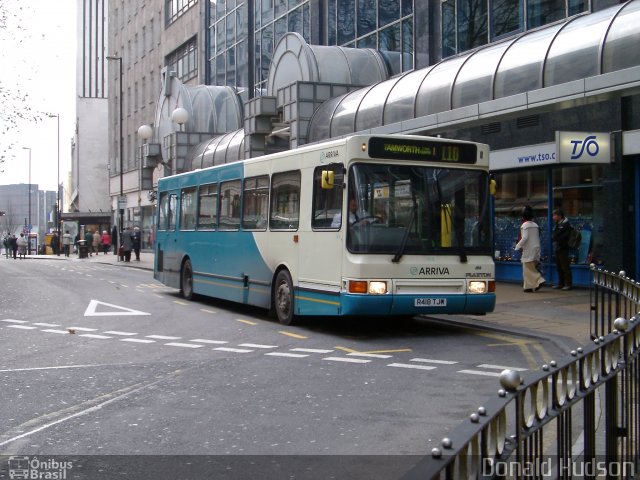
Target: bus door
(322,250)
(167,258)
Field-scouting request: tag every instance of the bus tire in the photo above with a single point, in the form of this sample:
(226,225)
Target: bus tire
(186,280)
(283,298)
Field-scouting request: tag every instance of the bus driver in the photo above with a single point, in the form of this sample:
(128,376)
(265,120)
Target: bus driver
(354,215)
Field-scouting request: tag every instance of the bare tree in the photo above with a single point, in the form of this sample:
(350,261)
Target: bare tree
(15,105)
(9,222)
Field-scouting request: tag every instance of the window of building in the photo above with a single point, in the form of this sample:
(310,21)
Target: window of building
(208,207)
(229,212)
(255,203)
(467,24)
(176,8)
(285,201)
(188,209)
(184,60)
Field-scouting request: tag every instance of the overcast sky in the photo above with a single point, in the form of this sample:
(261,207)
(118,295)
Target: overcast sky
(39,58)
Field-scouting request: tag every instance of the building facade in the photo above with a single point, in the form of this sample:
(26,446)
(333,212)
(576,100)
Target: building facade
(516,75)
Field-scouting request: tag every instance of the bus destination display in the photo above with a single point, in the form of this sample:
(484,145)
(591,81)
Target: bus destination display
(429,151)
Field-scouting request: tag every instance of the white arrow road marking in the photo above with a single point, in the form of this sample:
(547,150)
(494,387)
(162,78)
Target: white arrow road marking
(91,310)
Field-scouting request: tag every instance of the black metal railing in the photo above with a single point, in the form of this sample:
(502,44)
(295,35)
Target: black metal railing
(578,417)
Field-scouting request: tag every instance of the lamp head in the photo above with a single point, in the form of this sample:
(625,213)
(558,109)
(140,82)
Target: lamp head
(145,132)
(180,116)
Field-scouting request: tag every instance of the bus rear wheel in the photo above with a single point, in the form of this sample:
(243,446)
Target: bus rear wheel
(283,298)
(186,280)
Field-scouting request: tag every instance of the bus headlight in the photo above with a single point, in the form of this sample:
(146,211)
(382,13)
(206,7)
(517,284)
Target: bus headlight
(372,288)
(378,288)
(476,286)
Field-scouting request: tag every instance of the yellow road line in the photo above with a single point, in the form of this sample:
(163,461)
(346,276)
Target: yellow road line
(207,311)
(294,335)
(245,321)
(520,343)
(180,303)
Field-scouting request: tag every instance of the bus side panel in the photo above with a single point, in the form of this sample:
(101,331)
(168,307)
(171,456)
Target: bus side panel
(229,265)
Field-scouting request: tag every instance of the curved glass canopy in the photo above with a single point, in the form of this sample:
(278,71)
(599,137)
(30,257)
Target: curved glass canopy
(582,47)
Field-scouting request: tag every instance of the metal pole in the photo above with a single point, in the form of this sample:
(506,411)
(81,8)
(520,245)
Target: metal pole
(58,210)
(29,226)
(121,112)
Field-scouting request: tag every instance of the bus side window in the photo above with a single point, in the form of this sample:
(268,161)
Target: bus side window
(208,207)
(327,202)
(255,203)
(229,205)
(285,201)
(188,209)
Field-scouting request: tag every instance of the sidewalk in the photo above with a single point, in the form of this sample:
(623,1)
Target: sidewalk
(540,314)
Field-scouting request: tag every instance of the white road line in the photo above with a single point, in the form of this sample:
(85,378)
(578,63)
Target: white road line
(51,330)
(47,324)
(236,350)
(10,320)
(116,332)
(478,372)
(344,359)
(256,345)
(408,365)
(311,350)
(162,337)
(501,367)
(93,335)
(184,345)
(428,360)
(48,368)
(215,342)
(22,327)
(83,329)
(286,354)
(137,340)
(370,355)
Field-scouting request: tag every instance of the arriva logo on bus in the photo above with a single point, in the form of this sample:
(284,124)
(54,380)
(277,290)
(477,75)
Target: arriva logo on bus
(437,271)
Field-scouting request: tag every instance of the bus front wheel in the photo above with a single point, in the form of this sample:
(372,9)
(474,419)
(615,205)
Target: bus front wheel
(186,280)
(283,298)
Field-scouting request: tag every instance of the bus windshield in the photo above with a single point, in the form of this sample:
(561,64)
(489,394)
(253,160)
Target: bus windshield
(414,210)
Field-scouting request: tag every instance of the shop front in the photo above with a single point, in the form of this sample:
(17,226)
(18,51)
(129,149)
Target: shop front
(576,173)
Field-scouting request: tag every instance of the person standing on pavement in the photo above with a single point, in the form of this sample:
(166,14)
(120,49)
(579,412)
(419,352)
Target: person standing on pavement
(560,236)
(66,243)
(13,242)
(114,239)
(55,243)
(6,242)
(22,246)
(136,239)
(106,242)
(97,241)
(127,244)
(529,243)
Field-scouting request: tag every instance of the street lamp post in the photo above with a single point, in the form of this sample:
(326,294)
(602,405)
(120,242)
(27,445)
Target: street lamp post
(120,210)
(58,211)
(29,227)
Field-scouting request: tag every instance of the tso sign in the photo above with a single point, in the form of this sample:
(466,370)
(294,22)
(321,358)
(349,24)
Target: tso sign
(583,147)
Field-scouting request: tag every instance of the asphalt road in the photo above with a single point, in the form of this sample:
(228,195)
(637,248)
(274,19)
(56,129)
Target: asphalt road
(98,360)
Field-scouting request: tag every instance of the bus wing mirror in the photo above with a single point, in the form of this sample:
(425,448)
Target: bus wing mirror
(327,179)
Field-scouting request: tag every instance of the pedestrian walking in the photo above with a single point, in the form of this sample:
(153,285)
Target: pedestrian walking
(127,244)
(114,239)
(55,243)
(22,246)
(529,243)
(66,243)
(136,238)
(6,243)
(560,236)
(106,242)
(97,242)
(88,241)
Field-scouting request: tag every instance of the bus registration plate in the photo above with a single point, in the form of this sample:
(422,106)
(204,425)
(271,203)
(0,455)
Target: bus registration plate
(430,302)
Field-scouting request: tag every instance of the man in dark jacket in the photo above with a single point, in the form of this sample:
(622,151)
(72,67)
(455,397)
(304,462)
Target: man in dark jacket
(114,239)
(560,236)
(136,238)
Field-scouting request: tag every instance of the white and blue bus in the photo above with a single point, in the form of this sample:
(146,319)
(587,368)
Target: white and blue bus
(367,225)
